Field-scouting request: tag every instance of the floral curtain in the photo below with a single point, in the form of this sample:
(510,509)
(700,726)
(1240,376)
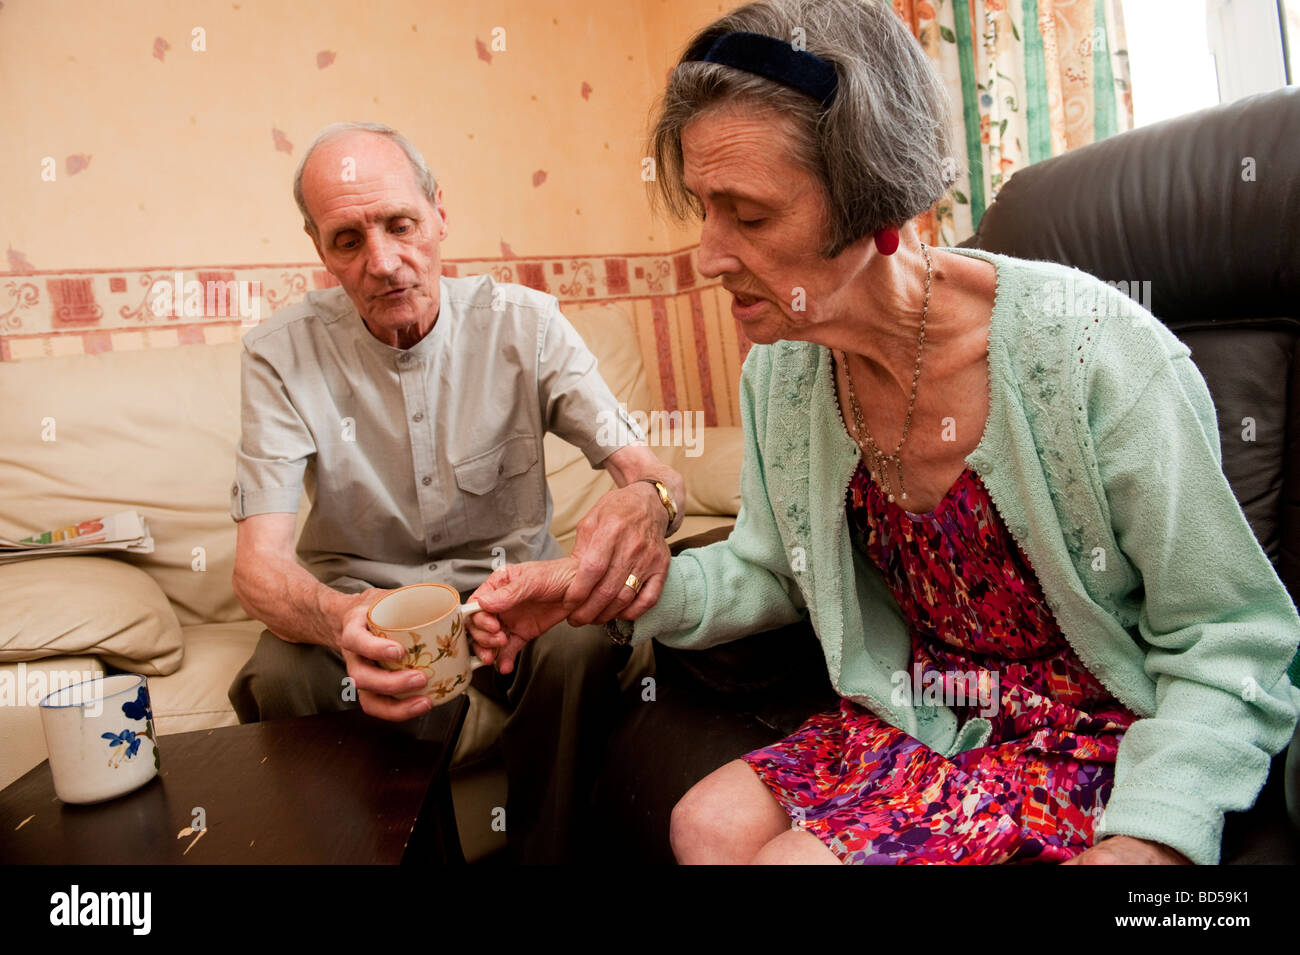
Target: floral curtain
(1029,79)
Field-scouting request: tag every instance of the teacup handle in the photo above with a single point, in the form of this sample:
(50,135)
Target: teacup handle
(466,609)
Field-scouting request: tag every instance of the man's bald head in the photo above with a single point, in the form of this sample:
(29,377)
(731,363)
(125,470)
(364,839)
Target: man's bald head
(376,227)
(333,134)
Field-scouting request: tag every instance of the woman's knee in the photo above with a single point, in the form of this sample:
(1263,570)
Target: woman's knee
(725,818)
(693,823)
(796,847)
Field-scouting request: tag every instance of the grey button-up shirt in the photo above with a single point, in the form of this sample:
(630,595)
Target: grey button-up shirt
(422,463)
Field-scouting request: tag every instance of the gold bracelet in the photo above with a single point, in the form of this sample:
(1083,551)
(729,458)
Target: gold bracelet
(665,498)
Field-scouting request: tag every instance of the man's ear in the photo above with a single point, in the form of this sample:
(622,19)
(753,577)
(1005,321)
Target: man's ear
(441,211)
(316,242)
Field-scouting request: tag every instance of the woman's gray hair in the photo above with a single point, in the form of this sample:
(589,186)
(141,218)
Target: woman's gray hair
(423,177)
(881,150)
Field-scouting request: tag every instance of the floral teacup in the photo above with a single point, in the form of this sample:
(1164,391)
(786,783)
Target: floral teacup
(100,737)
(429,621)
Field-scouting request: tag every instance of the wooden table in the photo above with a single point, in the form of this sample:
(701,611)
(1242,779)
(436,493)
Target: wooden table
(338,788)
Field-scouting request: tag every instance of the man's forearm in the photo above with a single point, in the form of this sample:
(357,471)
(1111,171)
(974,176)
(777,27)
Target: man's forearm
(293,604)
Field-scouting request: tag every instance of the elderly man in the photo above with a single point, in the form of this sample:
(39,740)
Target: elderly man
(412,407)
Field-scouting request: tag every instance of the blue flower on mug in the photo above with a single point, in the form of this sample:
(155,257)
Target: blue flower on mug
(127,737)
(138,709)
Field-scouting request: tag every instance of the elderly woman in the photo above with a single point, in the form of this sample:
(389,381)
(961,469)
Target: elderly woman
(1037,596)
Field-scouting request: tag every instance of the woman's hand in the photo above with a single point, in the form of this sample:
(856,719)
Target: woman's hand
(1126,850)
(520,602)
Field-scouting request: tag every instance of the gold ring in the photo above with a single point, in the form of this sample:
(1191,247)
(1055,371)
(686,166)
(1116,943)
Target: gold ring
(633,582)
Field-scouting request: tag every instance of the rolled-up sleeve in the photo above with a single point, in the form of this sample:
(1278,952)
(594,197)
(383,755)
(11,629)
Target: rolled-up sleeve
(275,443)
(576,402)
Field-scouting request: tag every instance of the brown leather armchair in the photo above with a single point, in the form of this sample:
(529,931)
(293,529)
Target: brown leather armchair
(1204,208)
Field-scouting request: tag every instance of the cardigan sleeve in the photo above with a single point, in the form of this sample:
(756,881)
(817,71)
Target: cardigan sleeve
(1217,625)
(744,584)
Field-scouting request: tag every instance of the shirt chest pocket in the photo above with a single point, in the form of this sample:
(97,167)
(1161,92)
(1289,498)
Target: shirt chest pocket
(502,489)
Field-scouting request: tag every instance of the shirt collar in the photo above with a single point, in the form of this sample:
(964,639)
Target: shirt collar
(340,308)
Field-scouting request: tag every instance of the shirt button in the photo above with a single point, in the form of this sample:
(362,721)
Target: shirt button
(426,480)
(418,416)
(433,566)
(403,359)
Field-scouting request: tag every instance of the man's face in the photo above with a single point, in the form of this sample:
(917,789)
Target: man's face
(764,219)
(378,234)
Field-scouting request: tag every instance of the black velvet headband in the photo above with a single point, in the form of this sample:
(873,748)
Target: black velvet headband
(773,59)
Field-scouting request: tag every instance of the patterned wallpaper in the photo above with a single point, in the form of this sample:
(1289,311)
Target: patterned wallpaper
(686,334)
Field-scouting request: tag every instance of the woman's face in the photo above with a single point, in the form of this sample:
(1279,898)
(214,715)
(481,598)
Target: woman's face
(764,219)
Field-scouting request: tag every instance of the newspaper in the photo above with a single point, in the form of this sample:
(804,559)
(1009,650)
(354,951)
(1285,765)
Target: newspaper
(125,532)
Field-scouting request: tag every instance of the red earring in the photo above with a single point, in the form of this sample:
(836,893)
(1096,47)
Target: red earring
(886,240)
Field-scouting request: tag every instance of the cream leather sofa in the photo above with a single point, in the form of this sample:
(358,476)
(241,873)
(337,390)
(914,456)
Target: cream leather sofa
(155,430)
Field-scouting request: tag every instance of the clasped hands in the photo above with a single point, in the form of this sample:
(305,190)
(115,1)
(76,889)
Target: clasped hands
(522,601)
(1129,850)
(621,537)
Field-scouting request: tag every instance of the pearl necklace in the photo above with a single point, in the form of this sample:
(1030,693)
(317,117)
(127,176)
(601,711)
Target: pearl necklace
(862,437)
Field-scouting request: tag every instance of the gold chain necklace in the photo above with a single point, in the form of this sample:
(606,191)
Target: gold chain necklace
(861,436)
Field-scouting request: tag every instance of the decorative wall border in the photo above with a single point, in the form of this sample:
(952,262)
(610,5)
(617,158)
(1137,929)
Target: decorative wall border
(87,311)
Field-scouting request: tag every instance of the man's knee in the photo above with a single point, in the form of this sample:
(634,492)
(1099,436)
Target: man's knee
(578,651)
(575,664)
(283,679)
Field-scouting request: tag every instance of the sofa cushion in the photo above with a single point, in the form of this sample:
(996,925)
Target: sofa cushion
(696,524)
(153,430)
(194,697)
(713,474)
(60,606)
(575,486)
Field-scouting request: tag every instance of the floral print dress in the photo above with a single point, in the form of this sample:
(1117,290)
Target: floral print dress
(978,618)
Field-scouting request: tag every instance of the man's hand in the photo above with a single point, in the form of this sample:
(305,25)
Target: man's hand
(1127,850)
(520,602)
(623,534)
(376,686)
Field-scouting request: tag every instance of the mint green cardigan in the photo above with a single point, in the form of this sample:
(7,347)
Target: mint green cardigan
(1101,454)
